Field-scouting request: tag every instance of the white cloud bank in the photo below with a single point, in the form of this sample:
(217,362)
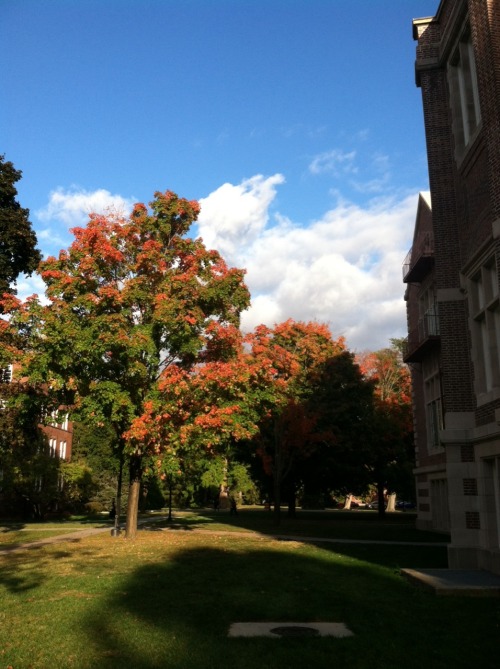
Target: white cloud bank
(72,207)
(344,269)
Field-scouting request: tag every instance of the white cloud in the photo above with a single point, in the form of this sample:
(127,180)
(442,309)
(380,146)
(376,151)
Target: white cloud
(52,240)
(335,162)
(72,207)
(30,285)
(233,216)
(343,269)
(380,166)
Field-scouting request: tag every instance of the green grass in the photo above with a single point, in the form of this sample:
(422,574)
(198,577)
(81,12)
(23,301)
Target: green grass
(168,598)
(14,532)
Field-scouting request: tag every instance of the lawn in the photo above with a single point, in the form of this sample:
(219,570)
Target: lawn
(168,598)
(339,524)
(15,532)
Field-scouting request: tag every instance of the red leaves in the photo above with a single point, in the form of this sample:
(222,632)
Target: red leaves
(9,303)
(130,297)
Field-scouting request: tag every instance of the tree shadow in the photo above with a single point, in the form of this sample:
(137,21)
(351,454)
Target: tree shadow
(182,523)
(174,609)
(181,610)
(20,574)
(11,526)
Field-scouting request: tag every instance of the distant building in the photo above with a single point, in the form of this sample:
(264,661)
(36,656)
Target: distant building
(453,283)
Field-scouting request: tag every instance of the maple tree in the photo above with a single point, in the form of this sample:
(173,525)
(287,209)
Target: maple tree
(131,299)
(18,252)
(200,414)
(343,400)
(390,453)
(257,396)
(291,354)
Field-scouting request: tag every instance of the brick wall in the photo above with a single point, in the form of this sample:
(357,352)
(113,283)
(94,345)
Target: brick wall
(485,29)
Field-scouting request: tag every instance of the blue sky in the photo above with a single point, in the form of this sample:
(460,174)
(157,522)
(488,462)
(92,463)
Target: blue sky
(296,123)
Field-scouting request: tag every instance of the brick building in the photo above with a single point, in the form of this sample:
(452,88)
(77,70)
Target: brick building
(453,285)
(57,427)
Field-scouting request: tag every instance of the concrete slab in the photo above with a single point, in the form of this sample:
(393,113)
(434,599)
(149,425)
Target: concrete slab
(286,629)
(444,582)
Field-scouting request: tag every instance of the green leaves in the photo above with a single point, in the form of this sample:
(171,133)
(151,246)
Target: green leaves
(129,299)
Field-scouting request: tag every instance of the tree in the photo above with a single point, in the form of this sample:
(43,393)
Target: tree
(18,252)
(200,414)
(390,456)
(343,400)
(95,453)
(30,476)
(291,353)
(130,298)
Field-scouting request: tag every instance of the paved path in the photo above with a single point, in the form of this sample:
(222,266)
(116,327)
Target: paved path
(69,536)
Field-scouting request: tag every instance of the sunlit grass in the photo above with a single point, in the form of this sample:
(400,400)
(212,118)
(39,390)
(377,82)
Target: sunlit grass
(15,532)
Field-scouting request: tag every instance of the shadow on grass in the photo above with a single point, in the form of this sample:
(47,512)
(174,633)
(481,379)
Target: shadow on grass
(176,614)
(362,524)
(17,579)
(11,526)
(182,610)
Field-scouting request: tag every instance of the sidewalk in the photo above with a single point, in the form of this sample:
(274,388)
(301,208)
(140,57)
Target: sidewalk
(455,581)
(70,536)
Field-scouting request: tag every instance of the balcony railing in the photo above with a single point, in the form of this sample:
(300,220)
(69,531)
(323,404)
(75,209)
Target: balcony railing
(420,259)
(422,338)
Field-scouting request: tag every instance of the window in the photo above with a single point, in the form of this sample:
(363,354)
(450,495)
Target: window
(52,447)
(62,450)
(6,374)
(428,324)
(485,326)
(464,96)
(433,404)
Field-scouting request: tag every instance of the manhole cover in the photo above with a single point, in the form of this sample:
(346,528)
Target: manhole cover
(294,630)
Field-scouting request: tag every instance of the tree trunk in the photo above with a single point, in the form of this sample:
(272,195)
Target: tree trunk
(347,503)
(118,507)
(277,499)
(277,472)
(133,496)
(391,502)
(169,499)
(381,499)
(291,505)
